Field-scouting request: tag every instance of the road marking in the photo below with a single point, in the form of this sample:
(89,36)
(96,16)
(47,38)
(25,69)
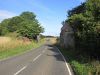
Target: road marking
(20,70)
(37,57)
(26,66)
(70,73)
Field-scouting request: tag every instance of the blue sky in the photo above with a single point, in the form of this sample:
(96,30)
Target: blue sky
(50,13)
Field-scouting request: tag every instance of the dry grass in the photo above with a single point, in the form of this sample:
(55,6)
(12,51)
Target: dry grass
(14,46)
(4,40)
(7,43)
(53,40)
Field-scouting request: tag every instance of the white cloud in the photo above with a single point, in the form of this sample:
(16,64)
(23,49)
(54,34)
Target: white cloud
(6,14)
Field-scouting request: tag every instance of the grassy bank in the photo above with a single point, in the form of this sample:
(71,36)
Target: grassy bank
(82,65)
(12,46)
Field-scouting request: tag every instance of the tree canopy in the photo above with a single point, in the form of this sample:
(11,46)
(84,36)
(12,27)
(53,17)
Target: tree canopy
(25,25)
(85,21)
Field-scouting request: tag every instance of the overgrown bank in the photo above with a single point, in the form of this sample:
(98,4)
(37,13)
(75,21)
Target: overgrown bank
(81,64)
(23,30)
(84,21)
(11,47)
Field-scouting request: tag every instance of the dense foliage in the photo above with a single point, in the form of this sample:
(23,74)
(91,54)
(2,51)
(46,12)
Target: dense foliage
(25,25)
(85,21)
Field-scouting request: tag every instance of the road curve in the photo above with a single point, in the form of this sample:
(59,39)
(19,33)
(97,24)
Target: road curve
(45,60)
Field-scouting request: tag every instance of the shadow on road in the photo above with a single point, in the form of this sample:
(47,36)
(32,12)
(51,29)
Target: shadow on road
(55,53)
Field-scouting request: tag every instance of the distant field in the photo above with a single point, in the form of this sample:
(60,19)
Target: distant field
(12,46)
(53,40)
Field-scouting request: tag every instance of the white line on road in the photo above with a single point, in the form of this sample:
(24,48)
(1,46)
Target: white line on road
(37,57)
(26,66)
(20,70)
(70,73)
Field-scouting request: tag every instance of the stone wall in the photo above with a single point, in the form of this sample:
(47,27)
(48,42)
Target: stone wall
(67,36)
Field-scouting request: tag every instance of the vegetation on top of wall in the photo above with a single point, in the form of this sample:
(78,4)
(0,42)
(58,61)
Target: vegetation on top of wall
(85,21)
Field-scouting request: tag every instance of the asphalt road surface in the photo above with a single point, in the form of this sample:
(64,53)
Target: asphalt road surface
(45,60)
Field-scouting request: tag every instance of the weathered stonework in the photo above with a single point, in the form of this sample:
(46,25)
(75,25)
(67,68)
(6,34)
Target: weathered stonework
(67,36)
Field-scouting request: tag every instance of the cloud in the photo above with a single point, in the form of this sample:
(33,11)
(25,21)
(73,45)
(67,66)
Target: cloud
(6,14)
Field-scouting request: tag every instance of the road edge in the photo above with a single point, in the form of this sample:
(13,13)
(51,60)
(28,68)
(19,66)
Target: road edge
(67,64)
(11,57)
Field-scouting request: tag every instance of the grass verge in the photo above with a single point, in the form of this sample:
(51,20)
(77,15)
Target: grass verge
(14,47)
(82,65)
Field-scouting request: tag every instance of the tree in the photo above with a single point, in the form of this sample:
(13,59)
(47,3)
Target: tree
(3,27)
(25,24)
(14,23)
(77,10)
(93,9)
(85,21)
(30,29)
(28,15)
(0,30)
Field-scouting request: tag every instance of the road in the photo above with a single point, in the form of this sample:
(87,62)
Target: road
(45,60)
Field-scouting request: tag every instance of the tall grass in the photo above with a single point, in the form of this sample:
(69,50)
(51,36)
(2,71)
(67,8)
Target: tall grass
(81,63)
(13,46)
(7,43)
